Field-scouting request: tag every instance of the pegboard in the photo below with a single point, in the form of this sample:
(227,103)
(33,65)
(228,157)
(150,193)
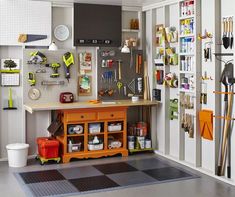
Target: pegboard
(24,17)
(128,73)
(50,93)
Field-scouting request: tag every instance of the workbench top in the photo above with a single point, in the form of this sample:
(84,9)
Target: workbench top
(81,105)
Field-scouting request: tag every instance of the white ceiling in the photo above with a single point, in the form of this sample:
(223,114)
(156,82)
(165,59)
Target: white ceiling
(111,2)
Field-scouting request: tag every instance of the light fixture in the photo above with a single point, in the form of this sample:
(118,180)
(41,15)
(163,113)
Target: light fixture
(53,47)
(125,48)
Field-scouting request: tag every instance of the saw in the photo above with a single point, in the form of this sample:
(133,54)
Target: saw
(24,38)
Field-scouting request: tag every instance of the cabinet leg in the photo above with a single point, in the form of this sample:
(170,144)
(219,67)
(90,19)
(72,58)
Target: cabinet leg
(66,159)
(125,153)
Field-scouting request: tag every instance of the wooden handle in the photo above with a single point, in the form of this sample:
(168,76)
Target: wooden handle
(218,92)
(225,134)
(231,24)
(22,38)
(119,71)
(136,63)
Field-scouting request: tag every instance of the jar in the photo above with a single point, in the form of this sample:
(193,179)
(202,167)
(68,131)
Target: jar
(142,126)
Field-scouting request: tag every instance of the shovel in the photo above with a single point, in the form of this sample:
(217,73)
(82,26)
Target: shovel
(226,34)
(227,79)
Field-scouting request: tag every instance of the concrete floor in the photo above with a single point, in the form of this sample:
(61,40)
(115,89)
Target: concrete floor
(200,187)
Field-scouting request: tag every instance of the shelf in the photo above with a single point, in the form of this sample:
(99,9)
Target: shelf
(186,91)
(75,135)
(187,35)
(186,17)
(187,54)
(131,30)
(91,134)
(187,72)
(113,132)
(140,150)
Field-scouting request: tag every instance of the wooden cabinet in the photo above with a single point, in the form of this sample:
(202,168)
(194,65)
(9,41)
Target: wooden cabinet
(83,120)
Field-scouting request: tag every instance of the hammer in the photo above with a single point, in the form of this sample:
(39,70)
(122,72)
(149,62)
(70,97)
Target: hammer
(119,69)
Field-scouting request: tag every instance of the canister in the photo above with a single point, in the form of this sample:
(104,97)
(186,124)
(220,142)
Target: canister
(131,142)
(148,143)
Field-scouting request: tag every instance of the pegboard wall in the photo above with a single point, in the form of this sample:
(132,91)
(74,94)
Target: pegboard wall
(49,93)
(128,73)
(24,17)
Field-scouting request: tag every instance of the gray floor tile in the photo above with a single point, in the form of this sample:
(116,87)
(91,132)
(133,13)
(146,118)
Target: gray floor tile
(165,174)
(52,188)
(131,178)
(79,172)
(147,164)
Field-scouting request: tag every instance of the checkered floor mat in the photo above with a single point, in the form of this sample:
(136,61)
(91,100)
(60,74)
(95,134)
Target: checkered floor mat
(79,180)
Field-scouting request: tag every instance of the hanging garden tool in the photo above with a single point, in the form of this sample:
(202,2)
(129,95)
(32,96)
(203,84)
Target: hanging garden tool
(231,31)
(68,60)
(226,33)
(227,79)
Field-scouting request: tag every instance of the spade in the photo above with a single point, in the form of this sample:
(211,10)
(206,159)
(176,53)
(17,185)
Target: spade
(226,33)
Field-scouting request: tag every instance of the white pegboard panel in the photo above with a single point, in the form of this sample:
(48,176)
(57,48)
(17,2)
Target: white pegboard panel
(49,94)
(28,17)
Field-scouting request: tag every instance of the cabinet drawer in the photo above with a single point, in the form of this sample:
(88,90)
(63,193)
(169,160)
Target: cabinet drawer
(111,115)
(73,117)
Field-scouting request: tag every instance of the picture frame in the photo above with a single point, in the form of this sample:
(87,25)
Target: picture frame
(84,85)
(85,61)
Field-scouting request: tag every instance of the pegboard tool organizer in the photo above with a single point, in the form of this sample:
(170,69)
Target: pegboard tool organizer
(114,68)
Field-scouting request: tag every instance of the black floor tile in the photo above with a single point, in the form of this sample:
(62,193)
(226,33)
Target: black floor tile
(41,176)
(115,168)
(164,174)
(93,183)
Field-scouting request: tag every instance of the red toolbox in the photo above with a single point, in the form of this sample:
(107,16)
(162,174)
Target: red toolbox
(48,147)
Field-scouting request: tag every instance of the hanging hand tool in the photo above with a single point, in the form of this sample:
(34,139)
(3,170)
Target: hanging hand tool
(115,76)
(23,38)
(119,69)
(125,90)
(37,58)
(31,79)
(226,33)
(55,67)
(119,85)
(68,60)
(139,63)
(10,101)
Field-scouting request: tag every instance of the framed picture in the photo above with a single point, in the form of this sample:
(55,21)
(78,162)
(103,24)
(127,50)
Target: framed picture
(85,61)
(10,64)
(84,85)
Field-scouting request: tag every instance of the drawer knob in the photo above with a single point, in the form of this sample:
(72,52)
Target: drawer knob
(82,116)
(112,115)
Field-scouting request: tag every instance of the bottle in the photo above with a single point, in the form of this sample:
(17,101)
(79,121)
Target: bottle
(70,146)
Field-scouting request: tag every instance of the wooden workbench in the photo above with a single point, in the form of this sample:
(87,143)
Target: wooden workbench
(82,105)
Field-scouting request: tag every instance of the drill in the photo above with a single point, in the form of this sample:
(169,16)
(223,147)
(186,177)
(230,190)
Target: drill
(55,67)
(68,60)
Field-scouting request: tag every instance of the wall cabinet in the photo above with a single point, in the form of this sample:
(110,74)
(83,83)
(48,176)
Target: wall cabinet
(83,127)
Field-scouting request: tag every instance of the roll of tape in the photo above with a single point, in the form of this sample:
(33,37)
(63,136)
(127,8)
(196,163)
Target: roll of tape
(135,98)
(71,131)
(78,129)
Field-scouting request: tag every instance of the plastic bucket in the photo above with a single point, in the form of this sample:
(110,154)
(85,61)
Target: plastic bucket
(17,154)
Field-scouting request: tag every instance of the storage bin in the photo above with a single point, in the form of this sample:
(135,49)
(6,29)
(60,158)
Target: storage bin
(48,148)
(117,127)
(96,146)
(74,147)
(94,128)
(17,154)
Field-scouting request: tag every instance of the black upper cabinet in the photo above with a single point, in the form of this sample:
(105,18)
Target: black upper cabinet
(97,25)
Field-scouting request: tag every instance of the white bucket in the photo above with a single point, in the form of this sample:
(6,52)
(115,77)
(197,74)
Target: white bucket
(17,154)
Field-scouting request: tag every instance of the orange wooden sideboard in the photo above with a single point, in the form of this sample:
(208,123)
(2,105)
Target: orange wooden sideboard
(85,117)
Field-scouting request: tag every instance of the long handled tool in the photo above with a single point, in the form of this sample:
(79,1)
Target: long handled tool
(228,80)
(119,69)
(231,32)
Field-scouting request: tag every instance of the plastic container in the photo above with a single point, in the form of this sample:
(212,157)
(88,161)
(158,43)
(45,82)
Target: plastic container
(95,147)
(94,128)
(48,148)
(74,147)
(17,154)
(117,127)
